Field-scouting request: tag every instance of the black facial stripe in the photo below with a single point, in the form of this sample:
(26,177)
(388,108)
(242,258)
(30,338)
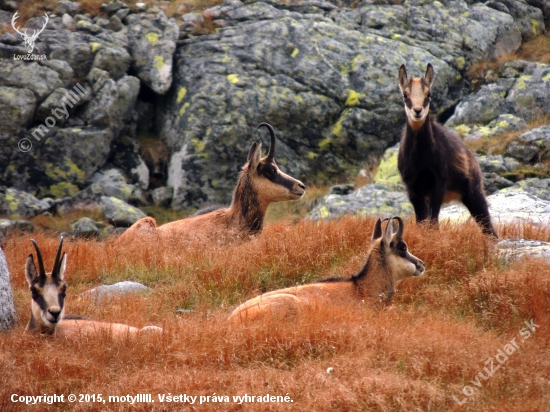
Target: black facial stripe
(426,102)
(408,103)
(265,170)
(61,299)
(39,299)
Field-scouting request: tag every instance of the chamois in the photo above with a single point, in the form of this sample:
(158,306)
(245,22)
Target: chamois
(434,163)
(388,262)
(48,302)
(260,183)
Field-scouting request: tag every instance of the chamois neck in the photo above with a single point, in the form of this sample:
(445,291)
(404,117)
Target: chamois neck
(246,210)
(420,130)
(374,281)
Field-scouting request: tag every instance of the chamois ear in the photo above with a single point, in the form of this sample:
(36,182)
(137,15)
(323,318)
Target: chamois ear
(377,231)
(30,270)
(62,267)
(403,81)
(254,155)
(388,233)
(429,76)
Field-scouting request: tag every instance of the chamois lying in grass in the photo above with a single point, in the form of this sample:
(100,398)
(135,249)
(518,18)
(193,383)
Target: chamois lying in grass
(48,302)
(388,262)
(435,165)
(260,183)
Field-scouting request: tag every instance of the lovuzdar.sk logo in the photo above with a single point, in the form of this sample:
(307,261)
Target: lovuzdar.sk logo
(29,39)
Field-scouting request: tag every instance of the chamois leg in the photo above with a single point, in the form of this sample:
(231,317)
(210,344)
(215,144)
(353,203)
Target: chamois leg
(420,207)
(436,200)
(477,205)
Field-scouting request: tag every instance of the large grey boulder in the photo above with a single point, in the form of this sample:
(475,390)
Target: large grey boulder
(375,199)
(41,80)
(533,145)
(120,213)
(325,78)
(14,226)
(86,228)
(116,290)
(506,207)
(524,94)
(512,249)
(529,20)
(7,308)
(113,104)
(19,204)
(152,44)
(17,107)
(534,186)
(61,161)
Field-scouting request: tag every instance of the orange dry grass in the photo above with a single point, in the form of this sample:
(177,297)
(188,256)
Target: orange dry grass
(413,356)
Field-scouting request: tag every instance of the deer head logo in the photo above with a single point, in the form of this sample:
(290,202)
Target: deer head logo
(29,40)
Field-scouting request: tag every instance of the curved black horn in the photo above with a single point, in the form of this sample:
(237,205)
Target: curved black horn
(271,153)
(400,230)
(57,264)
(40,260)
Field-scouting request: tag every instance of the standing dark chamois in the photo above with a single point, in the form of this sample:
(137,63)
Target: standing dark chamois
(434,163)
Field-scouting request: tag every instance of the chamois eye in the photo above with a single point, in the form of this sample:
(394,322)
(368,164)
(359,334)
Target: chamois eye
(405,96)
(429,96)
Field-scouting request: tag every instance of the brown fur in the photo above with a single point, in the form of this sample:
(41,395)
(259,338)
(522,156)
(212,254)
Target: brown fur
(435,165)
(260,184)
(388,262)
(47,303)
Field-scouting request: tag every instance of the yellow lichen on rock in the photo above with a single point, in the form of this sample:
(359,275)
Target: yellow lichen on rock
(181,94)
(152,38)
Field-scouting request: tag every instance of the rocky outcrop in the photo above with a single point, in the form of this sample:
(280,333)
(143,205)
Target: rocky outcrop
(533,145)
(325,77)
(506,207)
(322,73)
(117,290)
(7,308)
(512,249)
(152,44)
(521,90)
(387,193)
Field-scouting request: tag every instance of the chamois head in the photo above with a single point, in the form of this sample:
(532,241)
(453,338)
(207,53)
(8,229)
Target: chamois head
(48,291)
(416,95)
(271,184)
(393,250)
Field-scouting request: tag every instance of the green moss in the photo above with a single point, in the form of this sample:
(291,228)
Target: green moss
(152,38)
(63,189)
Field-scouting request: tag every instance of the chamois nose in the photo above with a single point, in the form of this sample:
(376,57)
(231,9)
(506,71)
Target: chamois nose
(420,267)
(54,312)
(417,111)
(302,186)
